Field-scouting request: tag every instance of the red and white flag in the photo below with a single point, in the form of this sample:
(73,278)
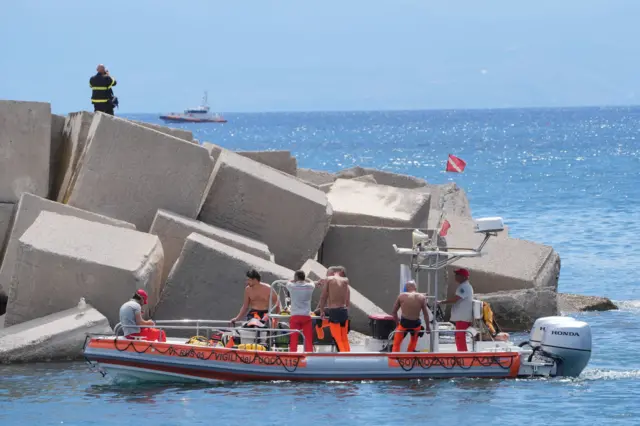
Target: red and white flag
(444,228)
(455,164)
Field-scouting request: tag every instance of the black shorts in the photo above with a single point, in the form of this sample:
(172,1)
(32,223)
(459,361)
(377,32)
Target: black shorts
(338,316)
(410,324)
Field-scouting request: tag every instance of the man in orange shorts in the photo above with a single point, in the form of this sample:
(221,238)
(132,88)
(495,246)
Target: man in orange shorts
(412,303)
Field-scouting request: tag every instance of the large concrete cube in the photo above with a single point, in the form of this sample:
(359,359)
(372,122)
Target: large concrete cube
(517,310)
(58,336)
(129,172)
(315,177)
(259,202)
(208,280)
(509,264)
(25,149)
(187,135)
(57,138)
(28,210)
(279,160)
(173,230)
(372,265)
(383,177)
(6,215)
(62,258)
(74,141)
(368,204)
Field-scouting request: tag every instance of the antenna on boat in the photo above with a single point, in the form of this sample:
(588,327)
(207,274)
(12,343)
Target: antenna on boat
(425,250)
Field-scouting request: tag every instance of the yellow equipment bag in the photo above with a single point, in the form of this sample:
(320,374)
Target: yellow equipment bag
(487,317)
(251,347)
(198,340)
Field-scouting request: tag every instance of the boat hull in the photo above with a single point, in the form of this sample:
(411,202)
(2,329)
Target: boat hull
(171,361)
(180,119)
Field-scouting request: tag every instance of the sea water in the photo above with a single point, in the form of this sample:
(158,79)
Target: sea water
(568,178)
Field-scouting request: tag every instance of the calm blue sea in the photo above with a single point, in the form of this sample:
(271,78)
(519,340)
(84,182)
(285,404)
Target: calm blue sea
(569,178)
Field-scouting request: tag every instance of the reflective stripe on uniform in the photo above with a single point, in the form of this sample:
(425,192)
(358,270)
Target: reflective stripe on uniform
(99,101)
(113,81)
(99,87)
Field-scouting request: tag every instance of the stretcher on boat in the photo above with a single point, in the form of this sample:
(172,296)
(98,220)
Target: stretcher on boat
(219,351)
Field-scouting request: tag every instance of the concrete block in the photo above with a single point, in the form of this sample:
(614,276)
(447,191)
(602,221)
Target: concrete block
(74,141)
(208,280)
(25,149)
(366,178)
(366,204)
(6,216)
(509,264)
(383,178)
(314,270)
(2,321)
(279,160)
(262,203)
(28,210)
(173,230)
(186,135)
(326,187)
(57,138)
(315,177)
(62,258)
(518,310)
(129,172)
(372,265)
(213,149)
(59,336)
(579,303)
(449,198)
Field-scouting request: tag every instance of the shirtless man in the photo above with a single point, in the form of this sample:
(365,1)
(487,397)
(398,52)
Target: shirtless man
(412,303)
(335,301)
(256,298)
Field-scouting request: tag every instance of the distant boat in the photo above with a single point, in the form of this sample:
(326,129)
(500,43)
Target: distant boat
(195,115)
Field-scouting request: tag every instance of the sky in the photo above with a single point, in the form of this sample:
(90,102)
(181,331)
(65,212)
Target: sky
(330,55)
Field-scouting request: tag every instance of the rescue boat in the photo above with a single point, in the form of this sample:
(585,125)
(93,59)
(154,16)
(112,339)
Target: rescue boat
(257,351)
(198,114)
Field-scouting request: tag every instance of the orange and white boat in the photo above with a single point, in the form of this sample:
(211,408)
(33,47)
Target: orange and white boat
(558,346)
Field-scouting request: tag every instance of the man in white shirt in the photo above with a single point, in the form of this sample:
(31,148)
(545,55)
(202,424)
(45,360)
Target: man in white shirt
(300,292)
(462,309)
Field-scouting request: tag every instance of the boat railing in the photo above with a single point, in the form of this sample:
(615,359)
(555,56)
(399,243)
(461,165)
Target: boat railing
(213,326)
(469,332)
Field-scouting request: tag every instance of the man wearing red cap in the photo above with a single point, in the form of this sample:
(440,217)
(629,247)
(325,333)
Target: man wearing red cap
(131,319)
(462,309)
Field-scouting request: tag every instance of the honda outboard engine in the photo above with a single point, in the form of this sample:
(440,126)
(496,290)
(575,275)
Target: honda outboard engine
(565,340)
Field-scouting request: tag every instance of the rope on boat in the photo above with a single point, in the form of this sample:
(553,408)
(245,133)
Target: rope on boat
(449,363)
(192,353)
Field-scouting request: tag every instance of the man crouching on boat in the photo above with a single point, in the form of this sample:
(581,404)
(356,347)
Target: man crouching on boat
(256,299)
(412,303)
(131,320)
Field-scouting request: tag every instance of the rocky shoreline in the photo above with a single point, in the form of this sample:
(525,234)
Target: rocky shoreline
(96,206)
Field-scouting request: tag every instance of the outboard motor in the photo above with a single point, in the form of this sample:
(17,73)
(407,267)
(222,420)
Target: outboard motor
(569,344)
(565,340)
(535,336)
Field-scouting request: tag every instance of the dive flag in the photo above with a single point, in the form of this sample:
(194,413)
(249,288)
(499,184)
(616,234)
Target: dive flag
(444,228)
(455,164)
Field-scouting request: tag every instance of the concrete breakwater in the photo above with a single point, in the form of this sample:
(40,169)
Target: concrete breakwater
(96,206)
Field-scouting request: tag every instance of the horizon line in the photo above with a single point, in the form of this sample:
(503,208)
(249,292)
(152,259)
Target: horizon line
(572,107)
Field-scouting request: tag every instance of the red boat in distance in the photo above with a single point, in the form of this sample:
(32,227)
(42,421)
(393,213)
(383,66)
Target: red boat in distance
(195,115)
